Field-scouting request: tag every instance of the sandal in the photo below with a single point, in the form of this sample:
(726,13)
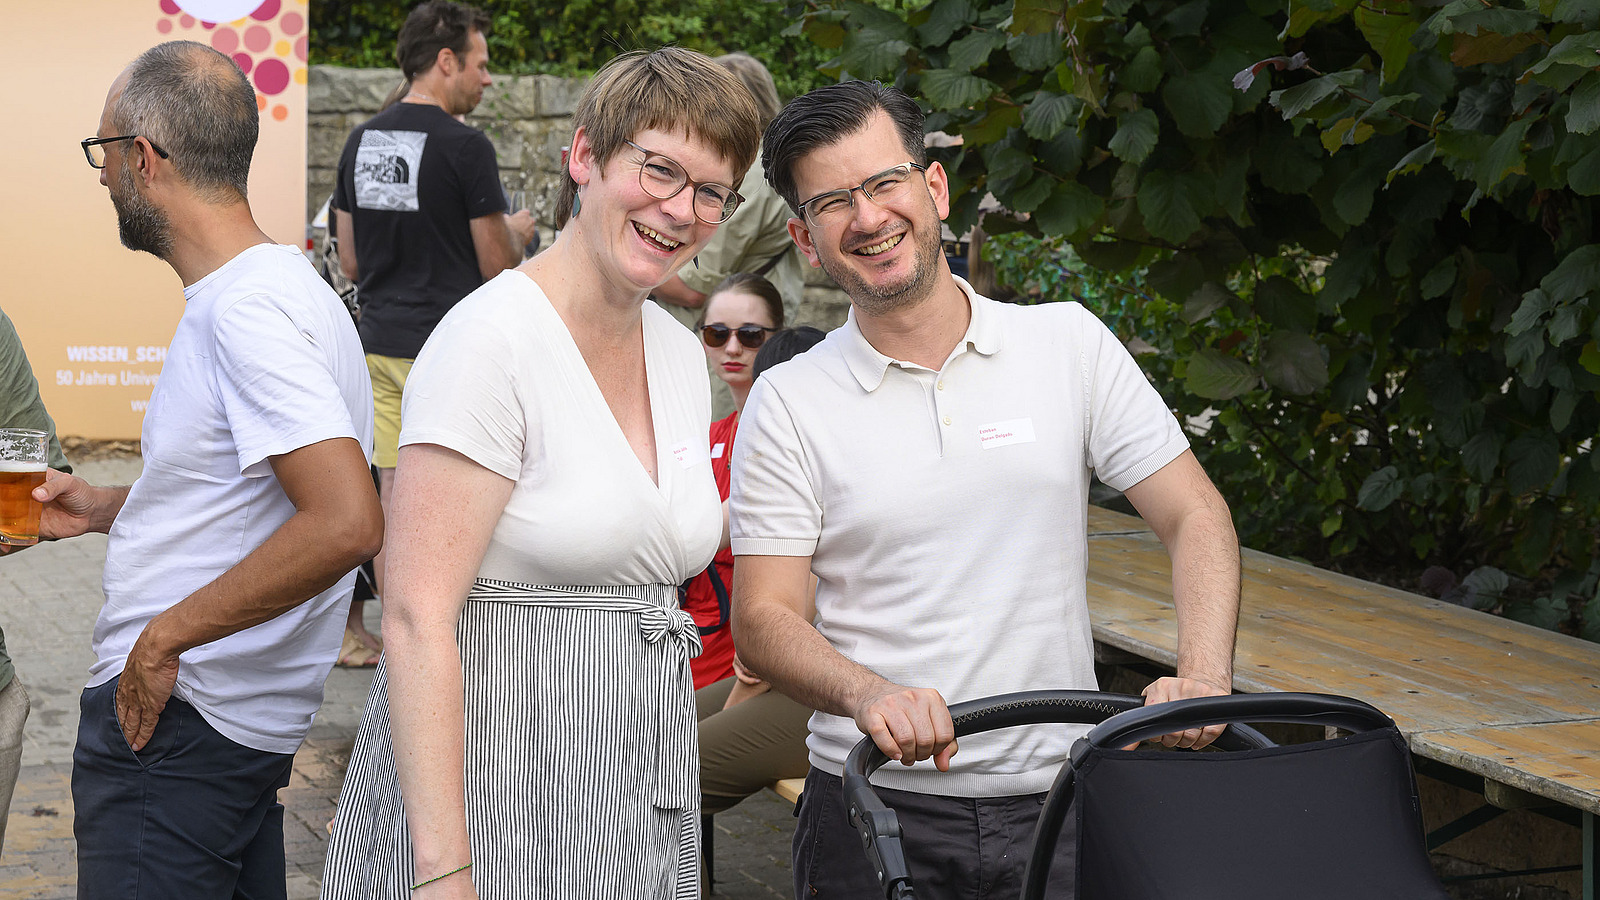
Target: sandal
(355,654)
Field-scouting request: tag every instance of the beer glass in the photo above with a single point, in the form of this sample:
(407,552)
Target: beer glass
(23,453)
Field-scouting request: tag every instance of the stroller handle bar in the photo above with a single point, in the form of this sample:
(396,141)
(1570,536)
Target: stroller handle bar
(1289,708)
(877,824)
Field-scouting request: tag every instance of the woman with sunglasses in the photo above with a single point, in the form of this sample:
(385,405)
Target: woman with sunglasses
(734,322)
(530,731)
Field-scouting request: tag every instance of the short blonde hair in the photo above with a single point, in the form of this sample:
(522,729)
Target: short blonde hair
(668,89)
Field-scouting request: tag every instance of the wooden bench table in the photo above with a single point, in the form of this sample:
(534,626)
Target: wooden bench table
(1517,705)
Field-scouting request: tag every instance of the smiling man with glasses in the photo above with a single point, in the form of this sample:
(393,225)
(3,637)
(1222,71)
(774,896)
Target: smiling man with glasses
(929,462)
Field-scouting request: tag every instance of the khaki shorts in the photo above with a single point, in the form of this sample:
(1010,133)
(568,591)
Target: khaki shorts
(388,384)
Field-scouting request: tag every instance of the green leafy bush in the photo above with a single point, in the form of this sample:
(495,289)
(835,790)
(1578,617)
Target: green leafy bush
(579,36)
(1359,237)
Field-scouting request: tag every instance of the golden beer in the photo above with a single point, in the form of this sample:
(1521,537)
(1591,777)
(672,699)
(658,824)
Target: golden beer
(19,512)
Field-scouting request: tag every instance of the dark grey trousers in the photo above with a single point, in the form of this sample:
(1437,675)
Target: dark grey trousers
(192,816)
(957,848)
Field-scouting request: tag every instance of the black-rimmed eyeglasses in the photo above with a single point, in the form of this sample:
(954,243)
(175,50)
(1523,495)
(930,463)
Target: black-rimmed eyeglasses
(95,152)
(662,178)
(751,337)
(833,207)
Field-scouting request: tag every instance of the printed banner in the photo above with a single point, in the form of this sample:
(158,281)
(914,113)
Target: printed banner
(95,317)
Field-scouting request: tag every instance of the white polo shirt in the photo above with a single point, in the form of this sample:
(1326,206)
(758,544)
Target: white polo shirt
(946,514)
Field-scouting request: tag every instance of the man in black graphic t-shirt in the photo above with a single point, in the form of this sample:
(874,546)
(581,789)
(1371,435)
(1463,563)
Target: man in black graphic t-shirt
(421,220)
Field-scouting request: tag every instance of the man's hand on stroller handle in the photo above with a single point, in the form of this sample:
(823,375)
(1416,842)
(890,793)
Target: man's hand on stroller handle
(1170,688)
(909,724)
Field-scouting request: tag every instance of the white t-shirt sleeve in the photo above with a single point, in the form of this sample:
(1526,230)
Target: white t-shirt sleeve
(462,394)
(1131,433)
(773,506)
(275,383)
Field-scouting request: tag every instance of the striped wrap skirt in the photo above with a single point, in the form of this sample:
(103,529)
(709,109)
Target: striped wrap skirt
(581,759)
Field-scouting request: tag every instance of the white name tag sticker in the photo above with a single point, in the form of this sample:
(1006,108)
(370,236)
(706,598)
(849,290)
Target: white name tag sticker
(690,454)
(1004,434)
(716,450)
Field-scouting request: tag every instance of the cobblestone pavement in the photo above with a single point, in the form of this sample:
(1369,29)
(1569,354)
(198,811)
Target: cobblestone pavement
(49,598)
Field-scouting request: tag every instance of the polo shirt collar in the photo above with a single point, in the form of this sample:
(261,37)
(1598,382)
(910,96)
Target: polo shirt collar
(869,366)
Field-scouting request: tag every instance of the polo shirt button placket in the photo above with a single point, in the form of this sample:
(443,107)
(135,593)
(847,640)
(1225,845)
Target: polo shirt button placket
(947,420)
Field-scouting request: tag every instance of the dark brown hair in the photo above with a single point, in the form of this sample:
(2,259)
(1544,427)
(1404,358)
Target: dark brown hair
(827,115)
(755,286)
(434,26)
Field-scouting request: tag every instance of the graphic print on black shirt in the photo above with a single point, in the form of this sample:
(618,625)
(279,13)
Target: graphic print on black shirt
(388,164)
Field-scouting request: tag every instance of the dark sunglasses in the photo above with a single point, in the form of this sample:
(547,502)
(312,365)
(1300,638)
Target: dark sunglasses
(750,336)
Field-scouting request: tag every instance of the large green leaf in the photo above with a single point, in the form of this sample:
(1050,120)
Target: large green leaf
(871,54)
(1387,25)
(1536,304)
(1177,276)
(1440,279)
(1584,174)
(1027,197)
(1198,102)
(1583,116)
(1285,164)
(1048,114)
(1535,457)
(1475,17)
(1293,363)
(1302,97)
(1380,489)
(1573,50)
(1577,275)
(946,17)
(1071,209)
(1166,203)
(1412,162)
(949,89)
(1577,12)
(1035,52)
(1217,376)
(972,50)
(1505,156)
(1282,304)
(1143,72)
(1202,303)
(1481,455)
(1137,133)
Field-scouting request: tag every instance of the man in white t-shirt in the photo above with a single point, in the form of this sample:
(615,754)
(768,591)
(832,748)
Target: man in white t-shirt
(229,563)
(930,463)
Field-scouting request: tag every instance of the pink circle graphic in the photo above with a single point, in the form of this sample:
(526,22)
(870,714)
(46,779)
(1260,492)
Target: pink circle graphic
(291,23)
(164,25)
(208,25)
(186,21)
(244,62)
(267,10)
(226,40)
(272,76)
(300,48)
(257,38)
(169,7)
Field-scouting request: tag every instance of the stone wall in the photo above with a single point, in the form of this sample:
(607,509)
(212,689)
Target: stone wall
(527,117)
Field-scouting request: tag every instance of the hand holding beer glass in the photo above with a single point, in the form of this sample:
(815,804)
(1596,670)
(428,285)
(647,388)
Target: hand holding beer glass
(23,456)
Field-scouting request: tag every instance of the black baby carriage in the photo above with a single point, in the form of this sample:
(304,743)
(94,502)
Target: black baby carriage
(1327,820)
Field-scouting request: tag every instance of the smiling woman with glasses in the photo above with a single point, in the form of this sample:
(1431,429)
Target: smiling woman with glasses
(94,149)
(536,676)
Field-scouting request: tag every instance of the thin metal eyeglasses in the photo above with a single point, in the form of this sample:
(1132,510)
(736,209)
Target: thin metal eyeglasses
(95,153)
(833,207)
(751,337)
(662,178)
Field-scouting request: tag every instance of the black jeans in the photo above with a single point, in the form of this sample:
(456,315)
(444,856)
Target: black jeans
(192,815)
(956,847)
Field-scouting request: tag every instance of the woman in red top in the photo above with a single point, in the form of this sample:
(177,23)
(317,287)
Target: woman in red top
(735,320)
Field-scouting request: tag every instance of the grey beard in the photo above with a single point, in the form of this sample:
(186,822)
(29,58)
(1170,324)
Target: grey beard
(141,225)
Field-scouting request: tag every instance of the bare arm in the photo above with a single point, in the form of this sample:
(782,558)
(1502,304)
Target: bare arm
(1192,520)
(499,239)
(675,292)
(336,526)
(444,511)
(346,225)
(772,628)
